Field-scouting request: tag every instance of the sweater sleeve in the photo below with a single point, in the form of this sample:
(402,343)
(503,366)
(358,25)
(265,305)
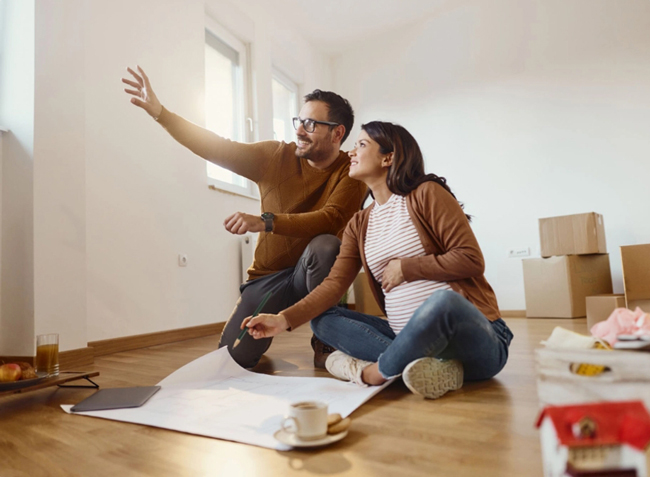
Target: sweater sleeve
(327,294)
(248,160)
(342,204)
(461,255)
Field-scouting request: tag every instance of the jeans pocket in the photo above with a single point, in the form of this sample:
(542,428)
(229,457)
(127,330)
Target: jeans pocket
(508,333)
(503,330)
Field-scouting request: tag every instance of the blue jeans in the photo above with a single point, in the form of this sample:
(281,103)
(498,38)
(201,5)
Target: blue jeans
(445,326)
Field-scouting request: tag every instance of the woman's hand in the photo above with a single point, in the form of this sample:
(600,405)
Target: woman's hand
(265,325)
(144,97)
(392,276)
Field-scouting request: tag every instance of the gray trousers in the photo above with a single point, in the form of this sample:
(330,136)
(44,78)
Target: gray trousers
(288,286)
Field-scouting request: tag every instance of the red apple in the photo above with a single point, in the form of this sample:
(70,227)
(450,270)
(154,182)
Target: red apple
(9,373)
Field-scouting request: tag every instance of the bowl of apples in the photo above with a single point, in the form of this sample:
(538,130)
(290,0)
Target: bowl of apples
(18,375)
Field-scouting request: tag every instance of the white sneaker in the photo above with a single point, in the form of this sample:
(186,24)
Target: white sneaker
(345,367)
(432,377)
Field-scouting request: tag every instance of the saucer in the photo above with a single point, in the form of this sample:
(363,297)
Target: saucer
(291,439)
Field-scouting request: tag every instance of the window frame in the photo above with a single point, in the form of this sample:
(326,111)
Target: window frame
(290,84)
(242,89)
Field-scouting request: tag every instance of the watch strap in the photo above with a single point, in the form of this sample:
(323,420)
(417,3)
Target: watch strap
(268,217)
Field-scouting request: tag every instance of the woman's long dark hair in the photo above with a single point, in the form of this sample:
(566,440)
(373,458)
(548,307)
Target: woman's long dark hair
(407,170)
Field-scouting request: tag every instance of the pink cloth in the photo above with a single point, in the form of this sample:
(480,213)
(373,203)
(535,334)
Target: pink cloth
(622,322)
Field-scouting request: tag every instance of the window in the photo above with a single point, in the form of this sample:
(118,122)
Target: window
(285,107)
(225,101)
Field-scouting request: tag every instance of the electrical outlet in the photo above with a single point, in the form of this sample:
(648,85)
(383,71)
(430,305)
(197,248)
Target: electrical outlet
(519,252)
(182,260)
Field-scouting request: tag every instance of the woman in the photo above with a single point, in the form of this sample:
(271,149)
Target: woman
(426,271)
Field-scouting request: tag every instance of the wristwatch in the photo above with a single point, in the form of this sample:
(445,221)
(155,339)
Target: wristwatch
(268,217)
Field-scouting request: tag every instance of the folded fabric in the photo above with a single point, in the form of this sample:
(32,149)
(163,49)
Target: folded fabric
(622,322)
(561,338)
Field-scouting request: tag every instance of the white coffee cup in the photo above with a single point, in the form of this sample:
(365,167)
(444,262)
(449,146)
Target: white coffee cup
(307,420)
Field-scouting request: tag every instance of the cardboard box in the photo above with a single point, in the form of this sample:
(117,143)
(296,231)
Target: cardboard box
(636,276)
(577,234)
(557,287)
(364,300)
(599,307)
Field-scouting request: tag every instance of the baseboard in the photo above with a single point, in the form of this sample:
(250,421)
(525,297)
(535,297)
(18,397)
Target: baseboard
(77,359)
(513,313)
(127,343)
(73,359)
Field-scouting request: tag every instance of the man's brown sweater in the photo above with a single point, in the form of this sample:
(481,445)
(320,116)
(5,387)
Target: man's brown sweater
(306,201)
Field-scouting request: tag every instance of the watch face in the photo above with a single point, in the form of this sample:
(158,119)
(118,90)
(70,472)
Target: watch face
(267,215)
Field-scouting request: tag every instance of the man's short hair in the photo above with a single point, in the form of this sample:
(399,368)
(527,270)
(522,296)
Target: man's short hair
(340,110)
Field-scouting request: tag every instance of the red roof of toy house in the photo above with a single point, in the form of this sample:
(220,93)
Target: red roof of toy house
(616,423)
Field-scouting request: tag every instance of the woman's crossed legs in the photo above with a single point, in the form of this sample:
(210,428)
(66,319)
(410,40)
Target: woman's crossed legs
(446,326)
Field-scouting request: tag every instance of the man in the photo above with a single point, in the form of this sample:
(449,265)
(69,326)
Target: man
(306,195)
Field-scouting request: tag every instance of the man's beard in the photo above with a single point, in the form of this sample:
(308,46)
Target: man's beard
(313,152)
(304,153)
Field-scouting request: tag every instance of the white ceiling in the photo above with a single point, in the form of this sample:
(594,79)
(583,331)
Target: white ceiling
(330,25)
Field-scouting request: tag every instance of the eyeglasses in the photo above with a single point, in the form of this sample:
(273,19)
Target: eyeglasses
(310,124)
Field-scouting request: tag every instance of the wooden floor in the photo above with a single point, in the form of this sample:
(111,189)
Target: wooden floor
(484,429)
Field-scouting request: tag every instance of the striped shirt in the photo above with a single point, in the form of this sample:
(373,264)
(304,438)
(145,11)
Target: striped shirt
(392,235)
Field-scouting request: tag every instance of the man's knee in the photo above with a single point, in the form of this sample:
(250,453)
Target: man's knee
(325,247)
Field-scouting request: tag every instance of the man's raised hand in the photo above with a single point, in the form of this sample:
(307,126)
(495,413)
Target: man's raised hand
(143,95)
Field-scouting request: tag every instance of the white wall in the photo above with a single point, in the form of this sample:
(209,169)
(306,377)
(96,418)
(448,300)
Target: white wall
(147,199)
(115,199)
(60,174)
(530,109)
(17,115)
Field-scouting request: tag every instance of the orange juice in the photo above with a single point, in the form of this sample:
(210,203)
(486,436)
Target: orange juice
(47,359)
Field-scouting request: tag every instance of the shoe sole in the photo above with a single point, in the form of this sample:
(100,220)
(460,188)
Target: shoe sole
(432,378)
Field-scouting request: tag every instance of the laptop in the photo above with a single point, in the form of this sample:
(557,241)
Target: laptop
(116,398)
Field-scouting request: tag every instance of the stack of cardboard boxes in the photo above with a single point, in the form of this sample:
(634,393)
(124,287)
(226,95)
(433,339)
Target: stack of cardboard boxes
(575,265)
(574,279)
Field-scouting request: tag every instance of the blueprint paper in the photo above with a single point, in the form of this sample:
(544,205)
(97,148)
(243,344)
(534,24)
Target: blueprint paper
(213,396)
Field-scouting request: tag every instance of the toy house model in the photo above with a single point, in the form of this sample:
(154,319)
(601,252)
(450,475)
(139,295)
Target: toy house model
(600,439)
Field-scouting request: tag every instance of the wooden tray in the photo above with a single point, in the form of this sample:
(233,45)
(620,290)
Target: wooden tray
(63,377)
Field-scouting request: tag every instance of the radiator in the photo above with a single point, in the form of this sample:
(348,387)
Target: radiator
(248,243)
